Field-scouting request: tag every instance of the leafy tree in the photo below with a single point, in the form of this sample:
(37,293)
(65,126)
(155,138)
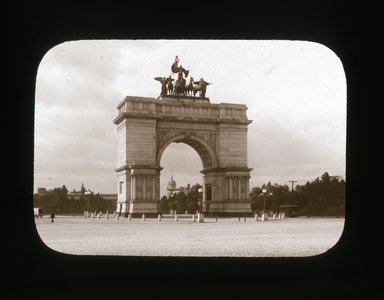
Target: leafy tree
(323,196)
(181,202)
(164,205)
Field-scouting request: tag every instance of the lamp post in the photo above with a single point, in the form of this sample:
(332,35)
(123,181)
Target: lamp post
(87,193)
(264,216)
(200,215)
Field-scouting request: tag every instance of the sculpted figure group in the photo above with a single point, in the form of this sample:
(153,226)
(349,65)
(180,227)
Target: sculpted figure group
(180,87)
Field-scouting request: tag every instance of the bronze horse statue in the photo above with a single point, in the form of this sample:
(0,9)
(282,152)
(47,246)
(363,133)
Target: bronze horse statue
(170,85)
(189,87)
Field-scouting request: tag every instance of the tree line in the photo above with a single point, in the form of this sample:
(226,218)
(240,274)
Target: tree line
(181,202)
(325,196)
(58,201)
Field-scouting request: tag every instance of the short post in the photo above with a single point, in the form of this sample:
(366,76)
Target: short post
(85,214)
(176,217)
(129,217)
(186,212)
(91,215)
(117,216)
(239,219)
(143,217)
(283,215)
(193,218)
(98,216)
(106,215)
(256,217)
(216,217)
(200,218)
(245,219)
(159,217)
(279,216)
(274,216)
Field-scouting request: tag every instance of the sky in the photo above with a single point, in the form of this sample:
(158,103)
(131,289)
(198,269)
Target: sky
(295,92)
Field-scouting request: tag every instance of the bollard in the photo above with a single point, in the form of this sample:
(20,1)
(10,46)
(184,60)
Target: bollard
(129,217)
(262,217)
(256,217)
(117,216)
(91,215)
(186,212)
(274,216)
(193,218)
(239,219)
(106,215)
(98,216)
(283,215)
(216,218)
(143,217)
(245,219)
(85,214)
(176,218)
(159,217)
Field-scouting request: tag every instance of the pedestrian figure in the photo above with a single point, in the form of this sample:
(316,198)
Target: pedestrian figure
(52,217)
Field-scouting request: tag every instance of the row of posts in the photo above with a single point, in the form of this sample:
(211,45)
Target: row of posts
(265,217)
(199,219)
(93,215)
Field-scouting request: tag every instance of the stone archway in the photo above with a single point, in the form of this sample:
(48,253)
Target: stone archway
(218,133)
(204,149)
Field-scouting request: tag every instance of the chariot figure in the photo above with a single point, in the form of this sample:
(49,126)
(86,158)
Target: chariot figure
(179,87)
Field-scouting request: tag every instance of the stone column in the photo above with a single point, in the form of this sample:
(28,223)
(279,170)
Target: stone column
(153,187)
(227,188)
(239,188)
(247,188)
(133,186)
(144,187)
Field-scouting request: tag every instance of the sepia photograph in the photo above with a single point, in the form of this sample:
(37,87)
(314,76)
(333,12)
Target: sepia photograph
(190,148)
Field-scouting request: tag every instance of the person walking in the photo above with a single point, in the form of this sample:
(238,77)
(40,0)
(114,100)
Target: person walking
(52,217)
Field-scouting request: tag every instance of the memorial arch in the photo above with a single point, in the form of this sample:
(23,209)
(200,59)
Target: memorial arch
(217,132)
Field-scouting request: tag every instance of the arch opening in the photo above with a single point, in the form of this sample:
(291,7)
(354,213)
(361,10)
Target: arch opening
(182,164)
(206,154)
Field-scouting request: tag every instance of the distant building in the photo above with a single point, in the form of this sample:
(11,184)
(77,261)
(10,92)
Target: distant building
(172,189)
(76,195)
(109,197)
(339,178)
(41,191)
(289,210)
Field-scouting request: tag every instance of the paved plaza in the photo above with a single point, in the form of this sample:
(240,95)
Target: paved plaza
(225,237)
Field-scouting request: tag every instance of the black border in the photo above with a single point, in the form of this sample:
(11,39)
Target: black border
(32,269)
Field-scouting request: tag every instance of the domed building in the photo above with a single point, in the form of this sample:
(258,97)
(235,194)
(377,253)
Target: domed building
(172,189)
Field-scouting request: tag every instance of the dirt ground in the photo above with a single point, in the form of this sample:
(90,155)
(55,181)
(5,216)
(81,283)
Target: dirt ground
(225,237)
